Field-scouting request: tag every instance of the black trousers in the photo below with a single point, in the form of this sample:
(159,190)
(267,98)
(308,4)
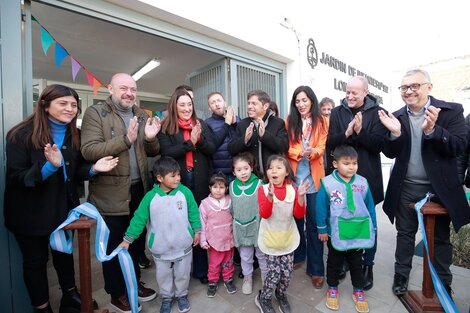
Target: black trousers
(335,260)
(35,250)
(407,226)
(114,283)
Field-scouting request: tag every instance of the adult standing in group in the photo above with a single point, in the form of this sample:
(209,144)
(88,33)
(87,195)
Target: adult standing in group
(44,165)
(326,105)
(426,135)
(261,133)
(223,123)
(189,141)
(307,130)
(120,128)
(355,122)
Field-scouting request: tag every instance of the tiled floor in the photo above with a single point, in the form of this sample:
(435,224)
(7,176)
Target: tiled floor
(303,297)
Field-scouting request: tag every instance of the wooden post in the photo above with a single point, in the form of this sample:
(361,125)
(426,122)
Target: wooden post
(83,226)
(426,299)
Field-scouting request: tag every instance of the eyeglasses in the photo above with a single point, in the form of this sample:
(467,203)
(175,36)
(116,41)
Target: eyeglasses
(413,87)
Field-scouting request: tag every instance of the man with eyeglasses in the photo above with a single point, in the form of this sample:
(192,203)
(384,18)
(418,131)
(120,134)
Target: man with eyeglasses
(425,137)
(118,127)
(355,122)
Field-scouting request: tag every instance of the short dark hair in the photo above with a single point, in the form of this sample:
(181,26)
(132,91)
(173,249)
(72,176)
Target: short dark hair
(218,178)
(327,100)
(278,157)
(263,97)
(344,151)
(184,87)
(164,166)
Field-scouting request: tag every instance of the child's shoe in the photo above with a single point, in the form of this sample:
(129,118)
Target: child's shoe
(212,289)
(247,287)
(183,304)
(166,305)
(230,285)
(332,298)
(361,304)
(264,305)
(284,305)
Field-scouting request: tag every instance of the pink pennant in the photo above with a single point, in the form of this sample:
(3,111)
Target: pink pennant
(75,68)
(90,78)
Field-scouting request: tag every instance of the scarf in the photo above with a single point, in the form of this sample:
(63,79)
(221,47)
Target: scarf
(187,126)
(306,126)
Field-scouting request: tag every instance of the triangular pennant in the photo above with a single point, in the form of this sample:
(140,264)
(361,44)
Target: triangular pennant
(60,54)
(75,67)
(96,86)
(46,40)
(90,78)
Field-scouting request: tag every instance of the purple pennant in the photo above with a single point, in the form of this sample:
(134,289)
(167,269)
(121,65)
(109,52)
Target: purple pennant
(75,68)
(46,40)
(60,54)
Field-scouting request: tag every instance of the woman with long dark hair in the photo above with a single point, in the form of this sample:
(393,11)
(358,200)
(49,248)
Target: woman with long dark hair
(307,130)
(44,165)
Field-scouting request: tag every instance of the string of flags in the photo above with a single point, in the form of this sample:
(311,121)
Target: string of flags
(61,53)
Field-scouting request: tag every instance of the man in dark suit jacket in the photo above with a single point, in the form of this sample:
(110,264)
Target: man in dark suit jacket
(426,135)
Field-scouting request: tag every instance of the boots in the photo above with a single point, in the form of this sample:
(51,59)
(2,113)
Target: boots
(368,277)
(71,302)
(47,309)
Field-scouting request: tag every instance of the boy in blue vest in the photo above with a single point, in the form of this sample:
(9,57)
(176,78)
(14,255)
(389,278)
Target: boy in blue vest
(345,214)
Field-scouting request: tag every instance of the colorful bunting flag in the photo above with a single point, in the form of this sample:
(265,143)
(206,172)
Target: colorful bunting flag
(61,53)
(46,40)
(75,68)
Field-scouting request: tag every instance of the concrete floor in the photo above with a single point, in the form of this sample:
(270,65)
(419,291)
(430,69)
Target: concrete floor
(302,296)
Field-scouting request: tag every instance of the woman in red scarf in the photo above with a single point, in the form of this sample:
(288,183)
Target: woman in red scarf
(189,141)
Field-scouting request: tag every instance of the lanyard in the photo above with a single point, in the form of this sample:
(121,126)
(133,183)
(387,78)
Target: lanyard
(446,301)
(59,242)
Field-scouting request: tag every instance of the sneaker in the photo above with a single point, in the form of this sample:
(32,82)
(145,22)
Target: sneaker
(167,303)
(146,294)
(212,289)
(264,305)
(332,299)
(144,262)
(183,304)
(122,304)
(361,304)
(284,305)
(247,287)
(230,285)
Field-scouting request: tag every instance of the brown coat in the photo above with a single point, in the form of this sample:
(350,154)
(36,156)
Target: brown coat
(104,133)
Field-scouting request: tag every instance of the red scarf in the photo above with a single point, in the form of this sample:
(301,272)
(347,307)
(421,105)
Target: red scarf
(187,127)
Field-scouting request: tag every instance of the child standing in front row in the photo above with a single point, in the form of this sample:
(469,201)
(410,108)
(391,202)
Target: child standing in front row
(244,196)
(173,229)
(279,202)
(217,234)
(346,214)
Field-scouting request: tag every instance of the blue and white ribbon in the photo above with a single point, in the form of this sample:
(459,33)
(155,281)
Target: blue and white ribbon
(446,301)
(60,242)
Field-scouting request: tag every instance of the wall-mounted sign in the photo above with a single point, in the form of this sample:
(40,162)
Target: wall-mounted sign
(312,54)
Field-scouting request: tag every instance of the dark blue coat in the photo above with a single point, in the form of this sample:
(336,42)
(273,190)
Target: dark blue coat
(222,134)
(439,160)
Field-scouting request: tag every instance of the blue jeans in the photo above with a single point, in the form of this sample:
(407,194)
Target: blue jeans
(300,252)
(315,264)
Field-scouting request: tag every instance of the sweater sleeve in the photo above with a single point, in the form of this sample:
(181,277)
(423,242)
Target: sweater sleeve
(322,206)
(265,206)
(193,210)
(299,210)
(369,201)
(140,219)
(203,217)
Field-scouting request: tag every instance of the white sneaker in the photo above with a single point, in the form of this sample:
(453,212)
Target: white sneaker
(247,287)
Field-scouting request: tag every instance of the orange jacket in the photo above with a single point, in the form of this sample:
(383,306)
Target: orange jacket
(318,142)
